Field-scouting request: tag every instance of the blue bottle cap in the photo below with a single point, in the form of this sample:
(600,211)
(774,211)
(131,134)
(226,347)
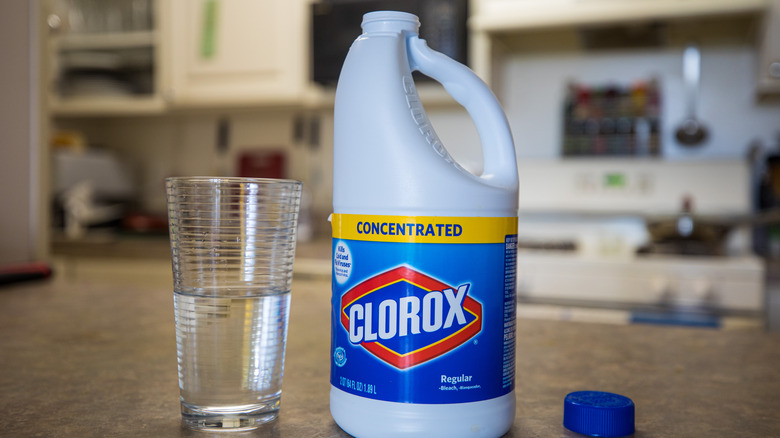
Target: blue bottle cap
(596,413)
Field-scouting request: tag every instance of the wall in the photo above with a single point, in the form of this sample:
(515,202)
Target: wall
(20,221)
(535,86)
(157,147)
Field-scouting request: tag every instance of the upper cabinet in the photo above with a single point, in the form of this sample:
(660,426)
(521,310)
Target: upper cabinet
(102,57)
(512,15)
(120,57)
(494,23)
(150,56)
(236,52)
(769,52)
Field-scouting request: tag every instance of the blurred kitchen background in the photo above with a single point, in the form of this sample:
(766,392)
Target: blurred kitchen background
(647,136)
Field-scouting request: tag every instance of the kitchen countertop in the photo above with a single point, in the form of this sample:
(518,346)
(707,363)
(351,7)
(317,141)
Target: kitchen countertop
(87,359)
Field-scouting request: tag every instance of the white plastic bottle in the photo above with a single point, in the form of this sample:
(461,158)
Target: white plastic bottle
(423,305)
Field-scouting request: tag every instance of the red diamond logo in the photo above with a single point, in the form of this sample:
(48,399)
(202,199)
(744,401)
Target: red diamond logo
(428,335)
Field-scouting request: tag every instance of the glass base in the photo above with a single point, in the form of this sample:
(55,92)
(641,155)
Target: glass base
(237,418)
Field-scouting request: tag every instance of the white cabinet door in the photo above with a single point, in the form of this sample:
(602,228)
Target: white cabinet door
(234,52)
(769,51)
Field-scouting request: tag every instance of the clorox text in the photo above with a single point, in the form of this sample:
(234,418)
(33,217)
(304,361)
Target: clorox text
(408,315)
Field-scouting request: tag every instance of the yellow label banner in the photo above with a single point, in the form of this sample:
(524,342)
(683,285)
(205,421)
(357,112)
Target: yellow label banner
(423,229)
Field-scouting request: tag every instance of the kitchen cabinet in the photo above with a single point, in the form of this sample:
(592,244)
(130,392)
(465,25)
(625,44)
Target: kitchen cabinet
(189,53)
(509,15)
(102,58)
(495,23)
(237,52)
(769,52)
(218,53)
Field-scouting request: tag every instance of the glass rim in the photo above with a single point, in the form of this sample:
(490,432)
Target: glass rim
(230,180)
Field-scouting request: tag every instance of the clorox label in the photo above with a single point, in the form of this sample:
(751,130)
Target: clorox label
(423,307)
(407,318)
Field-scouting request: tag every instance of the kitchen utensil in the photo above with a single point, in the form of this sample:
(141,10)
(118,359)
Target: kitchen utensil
(691,131)
(690,234)
(686,234)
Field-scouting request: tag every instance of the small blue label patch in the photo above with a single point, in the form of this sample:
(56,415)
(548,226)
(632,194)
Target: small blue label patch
(339,357)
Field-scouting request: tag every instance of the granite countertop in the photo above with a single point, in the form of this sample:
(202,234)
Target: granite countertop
(84,359)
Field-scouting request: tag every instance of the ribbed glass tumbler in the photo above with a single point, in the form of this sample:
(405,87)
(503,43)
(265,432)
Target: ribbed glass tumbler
(232,250)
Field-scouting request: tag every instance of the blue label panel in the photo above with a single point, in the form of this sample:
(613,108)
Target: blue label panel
(423,322)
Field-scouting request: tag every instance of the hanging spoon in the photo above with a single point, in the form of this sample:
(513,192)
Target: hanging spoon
(691,131)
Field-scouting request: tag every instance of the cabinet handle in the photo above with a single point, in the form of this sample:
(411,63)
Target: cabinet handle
(54,22)
(774,70)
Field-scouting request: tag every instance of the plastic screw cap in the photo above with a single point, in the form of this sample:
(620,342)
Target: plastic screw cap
(596,413)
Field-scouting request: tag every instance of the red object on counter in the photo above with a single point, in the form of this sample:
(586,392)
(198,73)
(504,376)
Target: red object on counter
(145,223)
(262,164)
(24,272)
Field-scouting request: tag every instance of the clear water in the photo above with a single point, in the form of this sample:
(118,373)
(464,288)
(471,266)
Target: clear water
(231,358)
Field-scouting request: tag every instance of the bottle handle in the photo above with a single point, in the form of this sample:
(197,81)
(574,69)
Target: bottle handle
(472,93)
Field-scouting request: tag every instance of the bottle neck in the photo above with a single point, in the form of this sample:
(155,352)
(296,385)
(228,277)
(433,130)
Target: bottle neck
(390,21)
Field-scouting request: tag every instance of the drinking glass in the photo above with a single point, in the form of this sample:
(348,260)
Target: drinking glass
(232,250)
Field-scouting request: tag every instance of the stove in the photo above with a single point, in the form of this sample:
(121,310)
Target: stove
(719,284)
(584,239)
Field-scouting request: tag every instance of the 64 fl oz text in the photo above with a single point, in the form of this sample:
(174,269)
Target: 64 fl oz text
(357,385)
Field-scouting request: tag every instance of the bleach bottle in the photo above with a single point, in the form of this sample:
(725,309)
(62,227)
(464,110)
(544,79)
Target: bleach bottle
(424,252)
